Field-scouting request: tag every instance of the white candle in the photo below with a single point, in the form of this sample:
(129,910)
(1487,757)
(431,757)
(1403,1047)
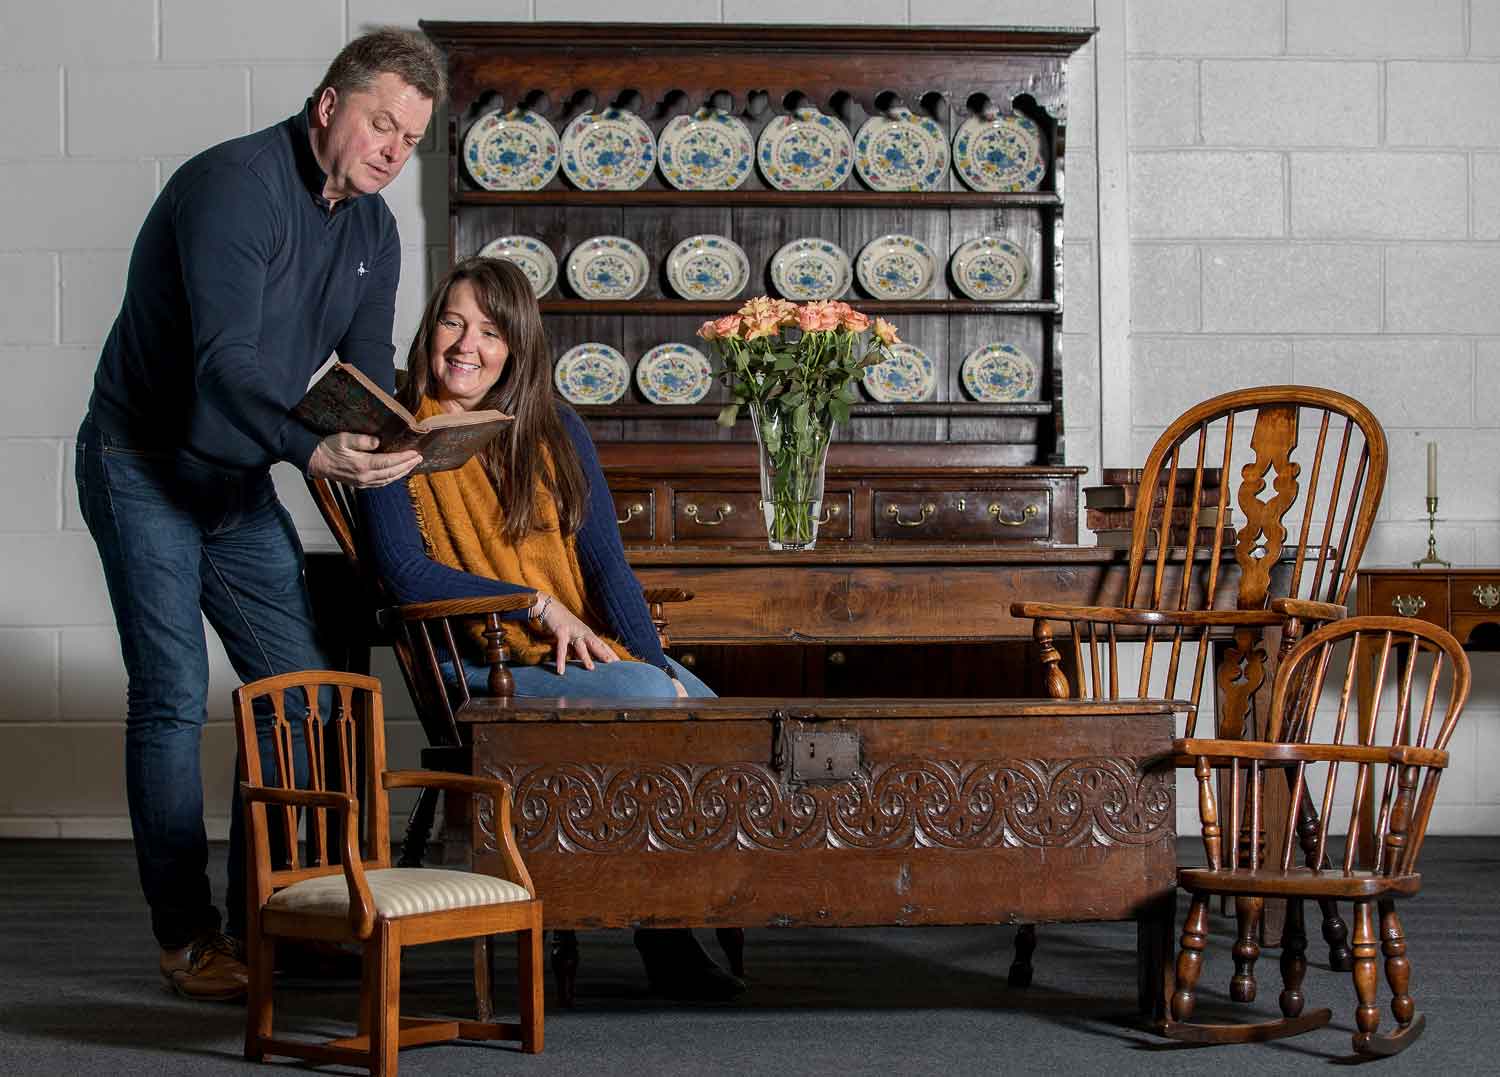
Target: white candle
(1432,469)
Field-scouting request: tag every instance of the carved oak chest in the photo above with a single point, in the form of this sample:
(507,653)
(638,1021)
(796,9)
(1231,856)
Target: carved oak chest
(753,811)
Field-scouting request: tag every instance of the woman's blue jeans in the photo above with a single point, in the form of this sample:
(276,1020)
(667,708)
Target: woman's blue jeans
(182,541)
(607,680)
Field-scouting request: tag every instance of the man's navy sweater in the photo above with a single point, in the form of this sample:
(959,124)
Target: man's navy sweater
(243,280)
(395,545)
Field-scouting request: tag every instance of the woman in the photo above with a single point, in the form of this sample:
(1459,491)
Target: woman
(530,513)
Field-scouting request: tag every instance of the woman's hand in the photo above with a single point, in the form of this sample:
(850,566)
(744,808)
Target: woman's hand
(681,691)
(574,638)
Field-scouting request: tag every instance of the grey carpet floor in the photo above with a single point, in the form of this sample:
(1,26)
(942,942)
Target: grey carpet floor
(79,994)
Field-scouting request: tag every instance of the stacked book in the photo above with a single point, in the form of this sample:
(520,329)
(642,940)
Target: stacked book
(1110,509)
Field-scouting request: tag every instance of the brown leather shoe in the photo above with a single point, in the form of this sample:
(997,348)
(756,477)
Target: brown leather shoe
(212,969)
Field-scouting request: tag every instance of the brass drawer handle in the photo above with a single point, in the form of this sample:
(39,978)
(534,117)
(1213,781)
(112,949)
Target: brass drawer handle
(1028,513)
(1408,605)
(631,513)
(836,658)
(894,512)
(688,659)
(833,510)
(725,510)
(1488,595)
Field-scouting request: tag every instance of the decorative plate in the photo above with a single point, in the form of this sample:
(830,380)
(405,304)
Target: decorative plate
(707,151)
(908,375)
(808,151)
(1001,153)
(674,374)
(990,268)
(531,254)
(811,269)
(611,150)
(897,267)
(901,152)
(608,267)
(708,267)
(592,373)
(998,372)
(511,151)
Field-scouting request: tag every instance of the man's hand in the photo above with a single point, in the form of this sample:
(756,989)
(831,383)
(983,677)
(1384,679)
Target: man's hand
(349,459)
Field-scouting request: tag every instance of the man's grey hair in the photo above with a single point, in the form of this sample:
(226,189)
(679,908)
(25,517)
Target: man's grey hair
(405,53)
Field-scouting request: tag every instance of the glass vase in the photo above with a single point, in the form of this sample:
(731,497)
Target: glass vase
(791,477)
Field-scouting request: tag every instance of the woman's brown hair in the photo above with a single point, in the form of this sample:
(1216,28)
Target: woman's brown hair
(515,461)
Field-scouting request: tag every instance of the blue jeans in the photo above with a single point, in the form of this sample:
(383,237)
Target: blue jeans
(182,540)
(607,680)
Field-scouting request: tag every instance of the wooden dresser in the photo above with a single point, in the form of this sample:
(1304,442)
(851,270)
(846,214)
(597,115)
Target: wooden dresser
(1465,601)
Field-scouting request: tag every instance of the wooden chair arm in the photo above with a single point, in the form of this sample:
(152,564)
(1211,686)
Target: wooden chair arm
(653,595)
(1147,618)
(361,902)
(1307,610)
(463,607)
(1276,752)
(499,793)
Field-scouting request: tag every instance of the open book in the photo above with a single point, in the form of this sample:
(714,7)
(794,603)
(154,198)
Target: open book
(344,401)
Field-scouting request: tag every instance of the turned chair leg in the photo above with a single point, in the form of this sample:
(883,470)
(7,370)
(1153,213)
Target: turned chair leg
(732,942)
(418,830)
(1247,912)
(1293,959)
(1020,967)
(565,966)
(1367,1014)
(1336,935)
(1190,959)
(1397,964)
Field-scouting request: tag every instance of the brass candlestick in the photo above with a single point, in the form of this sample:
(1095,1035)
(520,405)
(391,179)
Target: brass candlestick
(1432,558)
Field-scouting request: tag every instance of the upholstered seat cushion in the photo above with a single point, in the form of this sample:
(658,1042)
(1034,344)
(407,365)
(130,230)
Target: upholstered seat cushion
(398,892)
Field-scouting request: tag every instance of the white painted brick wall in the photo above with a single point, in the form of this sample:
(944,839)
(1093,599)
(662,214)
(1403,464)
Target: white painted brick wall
(197,30)
(1370,129)
(105,106)
(28,286)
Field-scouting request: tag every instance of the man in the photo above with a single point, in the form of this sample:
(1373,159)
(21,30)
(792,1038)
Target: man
(260,257)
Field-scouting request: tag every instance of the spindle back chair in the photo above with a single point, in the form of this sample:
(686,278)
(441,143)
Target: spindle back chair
(1394,760)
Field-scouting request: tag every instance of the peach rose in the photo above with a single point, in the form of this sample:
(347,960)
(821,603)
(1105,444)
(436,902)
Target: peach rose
(757,309)
(828,315)
(762,327)
(726,327)
(786,311)
(854,321)
(809,318)
(708,331)
(886,332)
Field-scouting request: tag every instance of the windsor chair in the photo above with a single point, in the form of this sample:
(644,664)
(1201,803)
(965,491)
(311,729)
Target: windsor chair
(1288,533)
(1311,748)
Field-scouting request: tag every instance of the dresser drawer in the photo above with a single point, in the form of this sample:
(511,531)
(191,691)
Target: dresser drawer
(1000,515)
(1477,595)
(700,516)
(634,512)
(1411,597)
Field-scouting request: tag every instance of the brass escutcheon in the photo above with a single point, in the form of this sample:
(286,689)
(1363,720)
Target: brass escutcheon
(1026,514)
(1487,595)
(725,510)
(631,513)
(1408,605)
(894,512)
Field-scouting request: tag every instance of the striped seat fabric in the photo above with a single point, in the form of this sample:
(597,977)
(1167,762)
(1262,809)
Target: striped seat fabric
(399,892)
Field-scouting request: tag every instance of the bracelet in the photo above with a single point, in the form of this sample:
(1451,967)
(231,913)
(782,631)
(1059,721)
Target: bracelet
(545,602)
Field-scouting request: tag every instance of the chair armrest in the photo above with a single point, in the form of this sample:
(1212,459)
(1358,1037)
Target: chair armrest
(361,902)
(464,607)
(1275,752)
(1147,618)
(1307,610)
(653,595)
(499,793)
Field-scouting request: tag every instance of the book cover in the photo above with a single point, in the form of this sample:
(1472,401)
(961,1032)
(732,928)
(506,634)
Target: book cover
(1131,476)
(1119,538)
(1128,496)
(344,400)
(1109,519)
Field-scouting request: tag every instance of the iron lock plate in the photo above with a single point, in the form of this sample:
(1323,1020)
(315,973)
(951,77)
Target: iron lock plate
(823,755)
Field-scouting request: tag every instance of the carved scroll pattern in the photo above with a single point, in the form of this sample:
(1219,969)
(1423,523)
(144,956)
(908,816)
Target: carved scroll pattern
(1029,803)
(1260,540)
